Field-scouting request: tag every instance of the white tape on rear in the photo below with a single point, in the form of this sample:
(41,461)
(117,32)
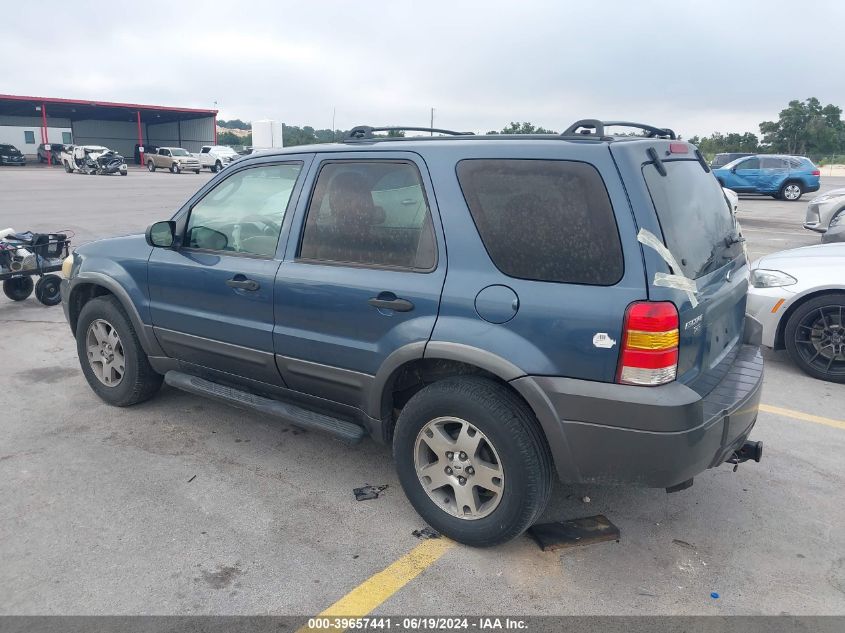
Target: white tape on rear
(677,280)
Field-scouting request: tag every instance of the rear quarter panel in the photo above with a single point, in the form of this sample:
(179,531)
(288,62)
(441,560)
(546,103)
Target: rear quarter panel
(552,332)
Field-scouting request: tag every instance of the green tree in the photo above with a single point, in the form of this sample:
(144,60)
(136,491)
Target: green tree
(805,127)
(523,127)
(234,124)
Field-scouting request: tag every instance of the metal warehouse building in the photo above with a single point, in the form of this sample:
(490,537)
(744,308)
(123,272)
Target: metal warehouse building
(25,122)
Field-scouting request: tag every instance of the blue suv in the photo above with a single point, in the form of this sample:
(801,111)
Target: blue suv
(497,308)
(784,177)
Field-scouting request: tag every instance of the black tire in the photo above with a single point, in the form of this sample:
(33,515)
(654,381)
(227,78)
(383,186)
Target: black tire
(139,381)
(48,290)
(787,188)
(218,165)
(804,336)
(196,171)
(151,166)
(68,168)
(213,169)
(174,168)
(19,288)
(512,432)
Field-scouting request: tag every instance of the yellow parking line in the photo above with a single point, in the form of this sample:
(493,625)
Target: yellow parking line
(379,587)
(807,417)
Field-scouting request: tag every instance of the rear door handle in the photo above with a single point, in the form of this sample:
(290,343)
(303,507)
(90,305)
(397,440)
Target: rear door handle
(242,283)
(389,301)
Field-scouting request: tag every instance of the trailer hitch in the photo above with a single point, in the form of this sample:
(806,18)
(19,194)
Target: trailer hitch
(749,450)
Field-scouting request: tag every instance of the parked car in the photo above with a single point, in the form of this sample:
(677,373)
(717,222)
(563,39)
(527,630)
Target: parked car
(54,153)
(579,327)
(216,157)
(798,297)
(93,159)
(720,160)
(784,177)
(175,159)
(826,212)
(11,155)
(148,149)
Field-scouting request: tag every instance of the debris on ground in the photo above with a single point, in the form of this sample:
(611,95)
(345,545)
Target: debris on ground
(426,533)
(564,534)
(192,478)
(684,544)
(714,595)
(368,492)
(585,499)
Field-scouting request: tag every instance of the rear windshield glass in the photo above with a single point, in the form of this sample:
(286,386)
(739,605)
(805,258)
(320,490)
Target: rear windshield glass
(698,225)
(547,220)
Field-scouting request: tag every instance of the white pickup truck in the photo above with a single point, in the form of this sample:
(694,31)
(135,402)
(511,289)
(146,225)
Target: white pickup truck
(216,157)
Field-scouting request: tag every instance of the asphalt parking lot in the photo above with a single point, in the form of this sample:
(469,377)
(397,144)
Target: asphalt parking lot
(184,506)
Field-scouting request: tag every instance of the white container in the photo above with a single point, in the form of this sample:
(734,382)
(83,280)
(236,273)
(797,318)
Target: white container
(266,134)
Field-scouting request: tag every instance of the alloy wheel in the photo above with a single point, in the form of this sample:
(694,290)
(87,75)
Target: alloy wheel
(820,340)
(459,468)
(792,191)
(105,352)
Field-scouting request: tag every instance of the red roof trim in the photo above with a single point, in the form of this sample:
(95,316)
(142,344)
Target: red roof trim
(108,104)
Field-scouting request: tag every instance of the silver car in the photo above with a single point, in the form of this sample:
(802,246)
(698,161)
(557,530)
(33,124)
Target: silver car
(826,211)
(799,298)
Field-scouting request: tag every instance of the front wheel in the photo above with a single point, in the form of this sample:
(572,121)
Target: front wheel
(48,290)
(68,168)
(112,359)
(815,337)
(174,168)
(791,191)
(472,460)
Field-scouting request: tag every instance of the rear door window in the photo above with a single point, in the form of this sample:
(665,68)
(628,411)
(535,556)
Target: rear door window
(697,223)
(545,220)
(370,213)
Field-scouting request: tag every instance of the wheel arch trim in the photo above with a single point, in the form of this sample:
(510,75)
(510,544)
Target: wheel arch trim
(145,332)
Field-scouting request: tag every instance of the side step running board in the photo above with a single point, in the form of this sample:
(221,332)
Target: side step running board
(298,416)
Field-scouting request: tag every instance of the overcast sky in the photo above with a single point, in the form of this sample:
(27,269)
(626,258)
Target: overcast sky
(694,66)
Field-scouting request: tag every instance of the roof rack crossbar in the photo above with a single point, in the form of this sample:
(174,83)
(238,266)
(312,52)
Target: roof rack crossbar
(366,131)
(594,127)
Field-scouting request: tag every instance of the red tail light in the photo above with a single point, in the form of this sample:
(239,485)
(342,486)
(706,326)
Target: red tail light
(649,352)
(816,172)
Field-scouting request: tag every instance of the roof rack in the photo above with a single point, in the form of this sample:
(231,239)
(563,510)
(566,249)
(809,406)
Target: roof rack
(366,132)
(594,127)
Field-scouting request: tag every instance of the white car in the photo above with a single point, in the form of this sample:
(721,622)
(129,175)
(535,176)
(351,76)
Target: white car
(216,157)
(798,296)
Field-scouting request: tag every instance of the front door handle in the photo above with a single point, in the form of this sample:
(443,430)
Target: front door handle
(389,301)
(242,283)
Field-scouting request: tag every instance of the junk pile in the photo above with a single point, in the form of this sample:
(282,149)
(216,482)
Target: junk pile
(24,255)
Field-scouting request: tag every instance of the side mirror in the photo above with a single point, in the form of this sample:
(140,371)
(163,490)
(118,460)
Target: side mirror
(733,170)
(161,234)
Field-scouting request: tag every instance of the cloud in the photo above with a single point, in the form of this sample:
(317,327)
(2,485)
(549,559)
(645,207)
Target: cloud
(696,67)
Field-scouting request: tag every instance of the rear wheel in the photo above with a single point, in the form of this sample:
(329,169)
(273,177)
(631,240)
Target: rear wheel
(815,337)
(791,191)
(48,290)
(19,288)
(472,460)
(218,165)
(151,166)
(112,359)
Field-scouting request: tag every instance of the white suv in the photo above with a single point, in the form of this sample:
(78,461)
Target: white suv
(216,157)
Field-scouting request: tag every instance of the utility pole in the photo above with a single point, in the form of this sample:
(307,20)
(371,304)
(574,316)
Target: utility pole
(334,111)
(432,122)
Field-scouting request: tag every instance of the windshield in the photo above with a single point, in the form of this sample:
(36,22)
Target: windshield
(179,152)
(9,149)
(698,225)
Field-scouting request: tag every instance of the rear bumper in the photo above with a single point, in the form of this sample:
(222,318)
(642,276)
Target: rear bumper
(651,436)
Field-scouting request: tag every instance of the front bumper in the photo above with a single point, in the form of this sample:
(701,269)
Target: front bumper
(765,306)
(654,436)
(13,161)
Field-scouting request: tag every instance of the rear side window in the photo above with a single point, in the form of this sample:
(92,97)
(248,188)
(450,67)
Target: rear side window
(772,163)
(697,223)
(545,220)
(372,214)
